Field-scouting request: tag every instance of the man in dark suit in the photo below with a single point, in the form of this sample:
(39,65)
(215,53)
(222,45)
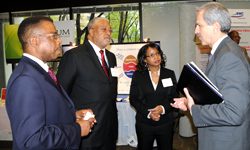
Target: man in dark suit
(225,125)
(86,74)
(41,114)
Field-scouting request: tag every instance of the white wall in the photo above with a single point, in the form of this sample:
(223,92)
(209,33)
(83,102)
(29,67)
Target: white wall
(161,23)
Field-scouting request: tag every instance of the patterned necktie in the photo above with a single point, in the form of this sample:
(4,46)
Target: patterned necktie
(104,64)
(53,76)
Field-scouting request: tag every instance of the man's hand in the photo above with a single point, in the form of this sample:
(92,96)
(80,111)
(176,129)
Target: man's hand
(82,113)
(183,103)
(86,125)
(180,103)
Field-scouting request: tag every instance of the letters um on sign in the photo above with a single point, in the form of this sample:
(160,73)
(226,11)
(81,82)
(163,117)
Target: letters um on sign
(63,32)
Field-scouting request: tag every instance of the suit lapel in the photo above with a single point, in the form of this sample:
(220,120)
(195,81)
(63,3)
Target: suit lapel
(68,101)
(51,81)
(111,64)
(148,81)
(159,86)
(42,71)
(95,59)
(209,65)
(217,51)
(163,75)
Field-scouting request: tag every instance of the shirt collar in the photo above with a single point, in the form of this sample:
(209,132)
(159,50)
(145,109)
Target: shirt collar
(216,44)
(40,62)
(97,49)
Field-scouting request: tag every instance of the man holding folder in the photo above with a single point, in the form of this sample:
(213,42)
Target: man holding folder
(223,126)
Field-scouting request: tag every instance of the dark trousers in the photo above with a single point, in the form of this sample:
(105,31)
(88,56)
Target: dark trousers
(162,133)
(109,144)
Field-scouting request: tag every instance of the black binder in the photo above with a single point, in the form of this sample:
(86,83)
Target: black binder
(202,90)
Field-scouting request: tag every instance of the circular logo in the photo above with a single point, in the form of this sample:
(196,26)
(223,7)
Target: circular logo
(129,64)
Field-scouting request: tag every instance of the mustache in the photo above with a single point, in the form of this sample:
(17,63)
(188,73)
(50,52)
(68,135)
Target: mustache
(107,36)
(59,48)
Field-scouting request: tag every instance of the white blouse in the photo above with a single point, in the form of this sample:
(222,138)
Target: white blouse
(154,85)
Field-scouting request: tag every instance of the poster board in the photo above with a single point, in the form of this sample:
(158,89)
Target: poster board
(126,58)
(240,17)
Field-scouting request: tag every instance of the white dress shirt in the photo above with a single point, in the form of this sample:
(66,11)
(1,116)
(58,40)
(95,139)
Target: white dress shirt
(97,51)
(40,62)
(216,44)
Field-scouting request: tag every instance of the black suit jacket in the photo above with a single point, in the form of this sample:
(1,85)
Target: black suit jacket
(144,97)
(83,78)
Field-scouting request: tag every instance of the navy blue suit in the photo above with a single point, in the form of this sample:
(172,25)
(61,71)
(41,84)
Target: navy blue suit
(42,116)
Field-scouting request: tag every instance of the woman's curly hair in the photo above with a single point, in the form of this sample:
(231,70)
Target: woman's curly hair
(142,55)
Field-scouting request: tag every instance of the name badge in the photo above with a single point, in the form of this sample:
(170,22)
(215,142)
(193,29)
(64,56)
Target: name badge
(167,82)
(114,72)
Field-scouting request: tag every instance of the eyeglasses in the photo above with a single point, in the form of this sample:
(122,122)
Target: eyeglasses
(153,55)
(53,36)
(236,37)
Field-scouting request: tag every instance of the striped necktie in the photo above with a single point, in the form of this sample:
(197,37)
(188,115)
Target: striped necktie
(104,64)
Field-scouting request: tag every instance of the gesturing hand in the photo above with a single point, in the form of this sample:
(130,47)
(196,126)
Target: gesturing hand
(183,103)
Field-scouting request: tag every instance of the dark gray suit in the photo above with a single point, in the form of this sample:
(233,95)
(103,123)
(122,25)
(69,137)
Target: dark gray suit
(83,78)
(225,126)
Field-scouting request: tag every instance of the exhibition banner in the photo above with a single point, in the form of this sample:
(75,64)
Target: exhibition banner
(240,17)
(126,57)
(66,31)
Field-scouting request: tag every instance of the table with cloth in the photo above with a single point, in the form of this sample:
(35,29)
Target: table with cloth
(126,122)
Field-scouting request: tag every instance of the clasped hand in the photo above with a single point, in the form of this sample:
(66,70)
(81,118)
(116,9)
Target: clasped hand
(86,125)
(155,113)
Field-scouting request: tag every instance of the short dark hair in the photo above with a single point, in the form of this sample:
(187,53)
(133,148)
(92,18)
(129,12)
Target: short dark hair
(142,55)
(230,34)
(27,24)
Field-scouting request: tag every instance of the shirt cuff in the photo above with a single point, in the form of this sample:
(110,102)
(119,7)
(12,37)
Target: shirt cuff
(148,115)
(163,110)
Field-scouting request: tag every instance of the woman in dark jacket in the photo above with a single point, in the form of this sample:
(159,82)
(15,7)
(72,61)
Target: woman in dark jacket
(152,90)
